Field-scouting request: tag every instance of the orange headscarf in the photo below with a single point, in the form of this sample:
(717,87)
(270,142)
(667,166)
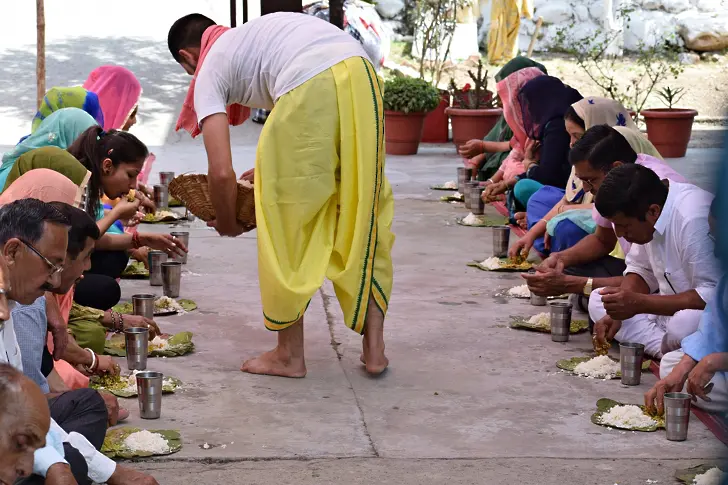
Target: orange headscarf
(187,120)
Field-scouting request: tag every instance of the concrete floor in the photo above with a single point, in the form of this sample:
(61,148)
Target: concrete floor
(466,400)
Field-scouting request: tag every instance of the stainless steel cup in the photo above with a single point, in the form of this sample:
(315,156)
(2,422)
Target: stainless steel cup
(149,388)
(156,258)
(560,321)
(470,187)
(161,196)
(171,278)
(477,206)
(538,300)
(677,415)
(501,239)
(630,359)
(165,178)
(143,305)
(184,237)
(464,175)
(137,347)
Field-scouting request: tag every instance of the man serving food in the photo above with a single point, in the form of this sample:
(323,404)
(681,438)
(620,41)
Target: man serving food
(323,205)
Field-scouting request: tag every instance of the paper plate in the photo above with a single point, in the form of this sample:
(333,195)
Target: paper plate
(179,344)
(604,405)
(113,446)
(506,265)
(488,221)
(570,364)
(577,326)
(116,385)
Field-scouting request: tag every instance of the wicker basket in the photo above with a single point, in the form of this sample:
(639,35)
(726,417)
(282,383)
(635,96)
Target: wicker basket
(194,191)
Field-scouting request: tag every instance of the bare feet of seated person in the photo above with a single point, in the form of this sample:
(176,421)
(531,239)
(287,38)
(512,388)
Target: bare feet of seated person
(522,220)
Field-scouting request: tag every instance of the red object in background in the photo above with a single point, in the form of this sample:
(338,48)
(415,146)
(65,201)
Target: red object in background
(669,130)
(436,122)
(402,132)
(470,124)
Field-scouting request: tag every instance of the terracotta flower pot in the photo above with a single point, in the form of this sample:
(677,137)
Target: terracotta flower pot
(468,124)
(435,130)
(669,130)
(403,132)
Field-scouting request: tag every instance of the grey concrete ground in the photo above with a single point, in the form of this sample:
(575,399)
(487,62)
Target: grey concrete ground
(467,400)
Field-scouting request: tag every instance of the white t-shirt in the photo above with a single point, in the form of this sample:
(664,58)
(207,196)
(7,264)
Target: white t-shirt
(260,61)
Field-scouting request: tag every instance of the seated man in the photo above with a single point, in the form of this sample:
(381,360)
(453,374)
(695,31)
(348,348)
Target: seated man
(588,264)
(24,423)
(671,267)
(33,242)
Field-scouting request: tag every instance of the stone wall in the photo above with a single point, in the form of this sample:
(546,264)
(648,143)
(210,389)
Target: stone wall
(701,25)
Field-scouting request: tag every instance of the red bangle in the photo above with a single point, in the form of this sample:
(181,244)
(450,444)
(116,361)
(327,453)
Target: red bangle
(135,242)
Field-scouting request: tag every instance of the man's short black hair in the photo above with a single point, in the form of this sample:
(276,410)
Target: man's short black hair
(601,146)
(187,32)
(82,227)
(25,219)
(630,190)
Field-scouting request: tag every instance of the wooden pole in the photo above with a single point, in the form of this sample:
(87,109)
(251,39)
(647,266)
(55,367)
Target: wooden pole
(336,13)
(40,68)
(539,23)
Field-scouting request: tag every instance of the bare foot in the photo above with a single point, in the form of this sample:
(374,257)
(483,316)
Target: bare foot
(522,220)
(276,362)
(373,342)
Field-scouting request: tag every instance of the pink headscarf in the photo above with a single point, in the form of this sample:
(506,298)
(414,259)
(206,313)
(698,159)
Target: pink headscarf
(118,91)
(50,186)
(508,90)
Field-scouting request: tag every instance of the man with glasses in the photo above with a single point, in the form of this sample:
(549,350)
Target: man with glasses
(671,270)
(33,242)
(597,260)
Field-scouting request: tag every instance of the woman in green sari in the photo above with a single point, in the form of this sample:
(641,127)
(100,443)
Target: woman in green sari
(486,155)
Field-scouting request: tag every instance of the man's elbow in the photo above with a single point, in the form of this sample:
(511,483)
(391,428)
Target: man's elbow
(221,174)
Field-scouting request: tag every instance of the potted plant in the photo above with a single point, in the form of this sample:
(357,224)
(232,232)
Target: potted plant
(406,102)
(669,129)
(473,113)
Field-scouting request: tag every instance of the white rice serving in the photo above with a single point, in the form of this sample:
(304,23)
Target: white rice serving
(714,476)
(146,441)
(627,416)
(491,263)
(601,367)
(457,195)
(159,343)
(471,219)
(166,303)
(132,384)
(451,184)
(542,319)
(520,291)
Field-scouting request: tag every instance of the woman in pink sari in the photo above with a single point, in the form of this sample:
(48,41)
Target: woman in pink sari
(508,90)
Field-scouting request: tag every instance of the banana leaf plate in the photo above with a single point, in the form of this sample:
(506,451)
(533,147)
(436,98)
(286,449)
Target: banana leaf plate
(114,447)
(135,271)
(506,265)
(505,293)
(603,407)
(127,308)
(485,222)
(161,217)
(688,475)
(442,187)
(453,198)
(117,385)
(179,344)
(520,323)
(570,364)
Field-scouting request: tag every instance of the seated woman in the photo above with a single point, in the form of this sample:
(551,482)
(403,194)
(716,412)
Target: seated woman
(58,98)
(543,102)
(485,156)
(110,162)
(558,219)
(512,165)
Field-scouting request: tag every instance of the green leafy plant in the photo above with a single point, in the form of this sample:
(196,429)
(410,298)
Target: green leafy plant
(654,64)
(671,96)
(410,95)
(472,98)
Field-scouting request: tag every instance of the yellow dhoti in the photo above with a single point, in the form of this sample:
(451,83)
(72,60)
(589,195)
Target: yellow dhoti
(505,23)
(322,203)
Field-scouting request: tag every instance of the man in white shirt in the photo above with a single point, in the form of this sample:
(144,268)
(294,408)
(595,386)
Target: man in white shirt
(323,205)
(33,243)
(671,268)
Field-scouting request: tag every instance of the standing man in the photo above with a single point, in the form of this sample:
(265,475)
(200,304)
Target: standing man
(322,203)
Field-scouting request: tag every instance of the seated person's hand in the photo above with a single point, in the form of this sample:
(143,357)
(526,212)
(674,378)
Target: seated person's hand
(163,242)
(655,397)
(471,148)
(128,476)
(146,202)
(141,255)
(549,264)
(619,303)
(532,150)
(521,247)
(106,366)
(552,282)
(700,376)
(125,210)
(605,330)
(248,176)
(492,191)
(131,321)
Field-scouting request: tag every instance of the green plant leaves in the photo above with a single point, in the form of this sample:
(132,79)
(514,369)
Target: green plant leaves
(410,95)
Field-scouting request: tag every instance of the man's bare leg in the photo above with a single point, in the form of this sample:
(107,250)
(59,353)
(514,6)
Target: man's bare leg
(373,342)
(286,360)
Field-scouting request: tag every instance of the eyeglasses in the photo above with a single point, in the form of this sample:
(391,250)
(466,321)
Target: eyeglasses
(589,182)
(54,269)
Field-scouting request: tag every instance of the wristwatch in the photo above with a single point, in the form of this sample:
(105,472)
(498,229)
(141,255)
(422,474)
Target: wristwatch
(588,287)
